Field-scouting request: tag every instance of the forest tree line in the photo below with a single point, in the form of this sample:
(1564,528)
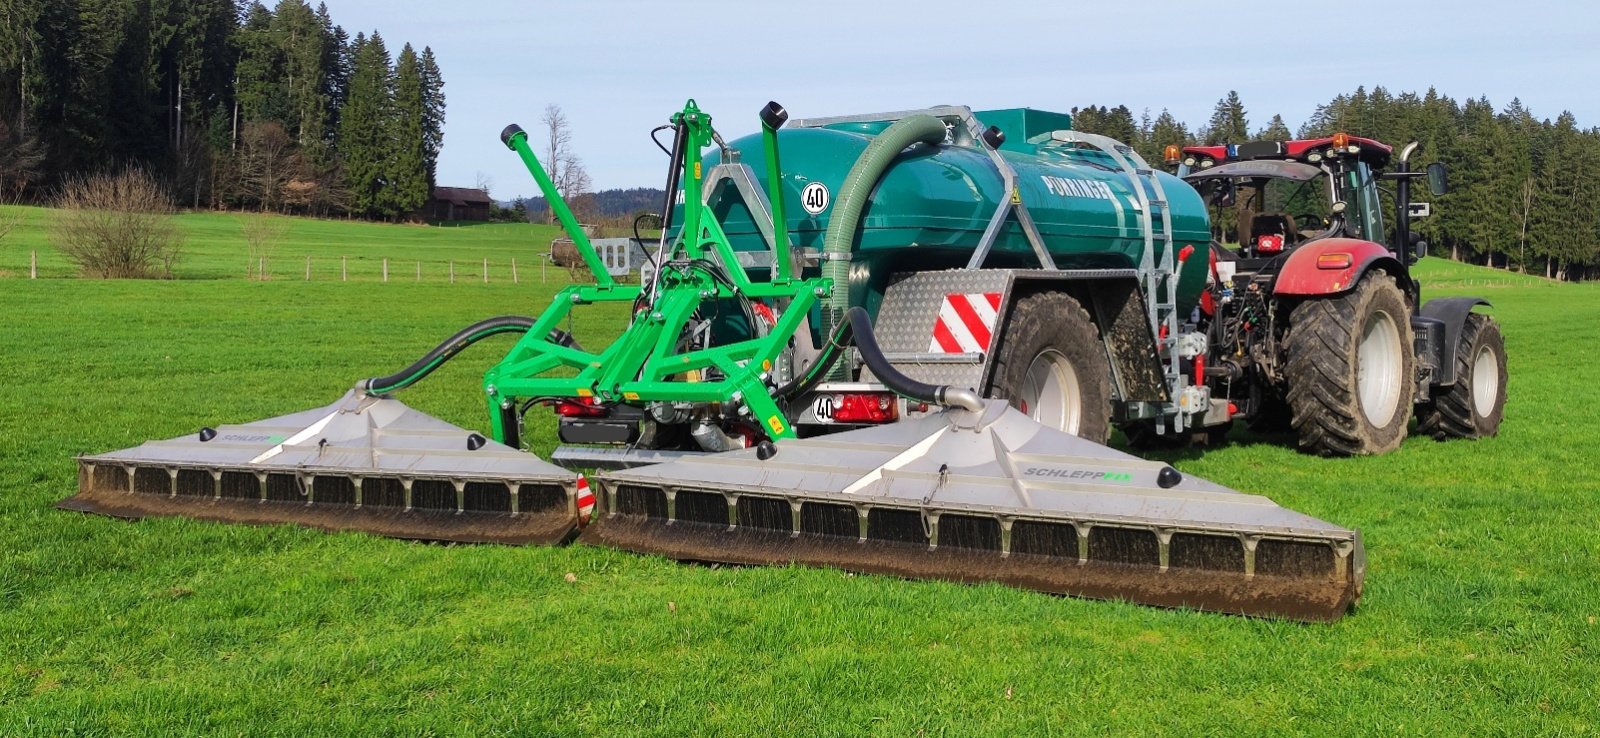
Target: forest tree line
(229,104)
(1524,191)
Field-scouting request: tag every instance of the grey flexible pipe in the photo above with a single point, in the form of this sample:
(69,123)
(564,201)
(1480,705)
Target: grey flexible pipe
(852,199)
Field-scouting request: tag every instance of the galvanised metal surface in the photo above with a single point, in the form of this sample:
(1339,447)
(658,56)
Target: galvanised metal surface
(910,308)
(990,495)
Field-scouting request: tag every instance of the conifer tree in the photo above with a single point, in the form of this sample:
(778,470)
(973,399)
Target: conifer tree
(408,189)
(433,113)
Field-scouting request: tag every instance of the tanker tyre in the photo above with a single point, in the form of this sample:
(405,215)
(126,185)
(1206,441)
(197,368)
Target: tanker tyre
(1474,406)
(1051,366)
(1351,370)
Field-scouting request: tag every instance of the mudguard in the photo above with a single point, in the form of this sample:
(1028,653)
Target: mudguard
(1308,273)
(1453,312)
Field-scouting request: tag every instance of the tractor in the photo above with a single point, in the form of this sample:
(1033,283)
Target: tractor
(1312,318)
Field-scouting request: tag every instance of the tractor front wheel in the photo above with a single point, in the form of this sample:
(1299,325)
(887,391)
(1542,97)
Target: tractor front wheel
(1351,370)
(1474,406)
(1050,365)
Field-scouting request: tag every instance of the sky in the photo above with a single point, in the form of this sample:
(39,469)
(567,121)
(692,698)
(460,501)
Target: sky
(618,68)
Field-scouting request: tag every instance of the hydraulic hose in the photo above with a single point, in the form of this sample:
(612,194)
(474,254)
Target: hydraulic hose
(852,199)
(449,348)
(857,327)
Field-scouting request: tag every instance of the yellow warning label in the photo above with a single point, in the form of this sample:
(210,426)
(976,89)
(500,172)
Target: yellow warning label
(585,393)
(631,395)
(776,423)
(697,170)
(1016,196)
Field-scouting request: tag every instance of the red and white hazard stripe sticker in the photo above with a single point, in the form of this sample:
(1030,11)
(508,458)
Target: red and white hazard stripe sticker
(966,323)
(585,501)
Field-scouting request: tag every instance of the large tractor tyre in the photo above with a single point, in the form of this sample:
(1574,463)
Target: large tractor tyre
(1051,366)
(1351,370)
(1474,406)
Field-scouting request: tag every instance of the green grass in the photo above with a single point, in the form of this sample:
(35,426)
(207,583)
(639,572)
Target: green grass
(214,248)
(1480,612)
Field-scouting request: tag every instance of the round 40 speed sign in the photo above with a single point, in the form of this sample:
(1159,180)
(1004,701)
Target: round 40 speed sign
(814,198)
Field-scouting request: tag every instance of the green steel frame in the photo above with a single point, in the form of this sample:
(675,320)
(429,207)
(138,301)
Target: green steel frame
(644,364)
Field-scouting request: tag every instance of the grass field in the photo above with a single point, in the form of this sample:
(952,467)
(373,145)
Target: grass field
(1481,614)
(214,248)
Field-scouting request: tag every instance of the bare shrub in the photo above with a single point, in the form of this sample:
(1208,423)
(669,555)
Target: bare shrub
(117,226)
(262,234)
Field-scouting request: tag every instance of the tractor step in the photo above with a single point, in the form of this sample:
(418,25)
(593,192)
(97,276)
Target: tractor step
(989,496)
(363,463)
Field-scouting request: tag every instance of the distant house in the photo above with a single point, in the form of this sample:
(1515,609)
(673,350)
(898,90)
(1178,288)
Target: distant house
(457,203)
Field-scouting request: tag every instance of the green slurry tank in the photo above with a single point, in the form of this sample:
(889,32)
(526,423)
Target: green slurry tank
(931,207)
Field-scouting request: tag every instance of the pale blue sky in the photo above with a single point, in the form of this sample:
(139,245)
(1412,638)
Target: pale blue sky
(619,67)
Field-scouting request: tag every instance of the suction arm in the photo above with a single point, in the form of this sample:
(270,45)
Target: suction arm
(449,348)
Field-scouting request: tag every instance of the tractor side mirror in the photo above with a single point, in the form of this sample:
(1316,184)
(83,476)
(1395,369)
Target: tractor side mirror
(1438,181)
(1419,247)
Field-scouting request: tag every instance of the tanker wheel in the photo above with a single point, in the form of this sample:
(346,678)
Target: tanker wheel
(1474,406)
(1350,370)
(1051,366)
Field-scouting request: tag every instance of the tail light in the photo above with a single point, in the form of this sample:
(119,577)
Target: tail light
(1269,244)
(864,407)
(582,407)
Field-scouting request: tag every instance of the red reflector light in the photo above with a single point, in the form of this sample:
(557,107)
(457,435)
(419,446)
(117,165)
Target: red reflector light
(865,407)
(582,407)
(1333,261)
(1269,244)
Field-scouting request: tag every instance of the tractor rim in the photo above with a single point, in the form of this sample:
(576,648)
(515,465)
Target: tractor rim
(1050,392)
(1485,381)
(1378,369)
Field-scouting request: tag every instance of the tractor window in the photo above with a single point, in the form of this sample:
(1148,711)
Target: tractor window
(1367,204)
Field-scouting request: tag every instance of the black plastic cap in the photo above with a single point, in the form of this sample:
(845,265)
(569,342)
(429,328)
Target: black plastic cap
(994,137)
(511,130)
(766,450)
(475,441)
(207,434)
(774,116)
(1168,477)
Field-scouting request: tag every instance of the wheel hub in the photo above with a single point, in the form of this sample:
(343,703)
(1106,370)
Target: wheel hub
(1050,393)
(1485,382)
(1379,363)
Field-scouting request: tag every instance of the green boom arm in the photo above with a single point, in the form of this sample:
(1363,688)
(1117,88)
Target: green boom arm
(645,364)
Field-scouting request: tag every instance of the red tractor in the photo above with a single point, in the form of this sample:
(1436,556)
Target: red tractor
(1313,320)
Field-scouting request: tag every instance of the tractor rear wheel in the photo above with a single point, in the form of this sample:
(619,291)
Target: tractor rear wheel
(1474,406)
(1050,365)
(1351,370)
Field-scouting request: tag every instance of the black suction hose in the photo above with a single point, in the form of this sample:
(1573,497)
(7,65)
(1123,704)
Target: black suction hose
(857,327)
(450,347)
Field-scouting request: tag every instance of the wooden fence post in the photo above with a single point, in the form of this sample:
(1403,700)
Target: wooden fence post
(33,265)
(261,268)
(419,271)
(485,271)
(452,271)
(514,270)
(308,267)
(385,268)
(344,269)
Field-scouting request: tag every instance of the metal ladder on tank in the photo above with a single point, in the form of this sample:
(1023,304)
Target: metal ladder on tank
(1156,277)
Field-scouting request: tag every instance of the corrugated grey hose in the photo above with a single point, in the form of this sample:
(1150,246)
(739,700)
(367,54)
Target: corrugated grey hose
(852,199)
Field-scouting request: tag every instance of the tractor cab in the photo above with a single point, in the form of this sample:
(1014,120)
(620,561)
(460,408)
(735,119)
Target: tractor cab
(1272,196)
